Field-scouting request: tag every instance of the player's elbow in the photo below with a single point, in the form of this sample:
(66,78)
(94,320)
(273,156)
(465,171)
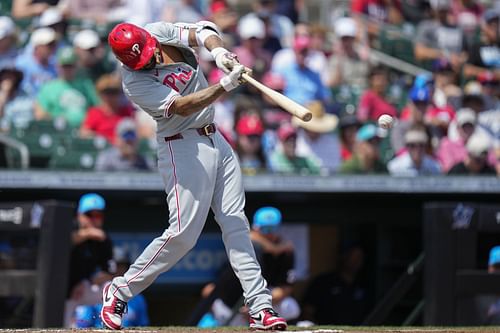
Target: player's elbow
(178,108)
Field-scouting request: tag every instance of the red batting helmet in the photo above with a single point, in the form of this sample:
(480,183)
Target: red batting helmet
(132,45)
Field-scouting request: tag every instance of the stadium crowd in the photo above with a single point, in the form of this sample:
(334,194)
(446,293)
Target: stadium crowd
(57,68)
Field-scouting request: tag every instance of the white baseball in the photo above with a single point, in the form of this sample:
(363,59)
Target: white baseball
(385,121)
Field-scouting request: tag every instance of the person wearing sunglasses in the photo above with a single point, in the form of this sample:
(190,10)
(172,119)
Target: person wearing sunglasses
(415,161)
(476,161)
(91,259)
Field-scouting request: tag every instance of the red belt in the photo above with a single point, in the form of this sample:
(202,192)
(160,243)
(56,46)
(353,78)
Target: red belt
(203,131)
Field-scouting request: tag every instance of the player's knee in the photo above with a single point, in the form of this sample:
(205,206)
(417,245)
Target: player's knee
(233,223)
(184,241)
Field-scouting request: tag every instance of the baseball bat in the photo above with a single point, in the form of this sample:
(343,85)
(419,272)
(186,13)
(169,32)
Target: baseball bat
(286,103)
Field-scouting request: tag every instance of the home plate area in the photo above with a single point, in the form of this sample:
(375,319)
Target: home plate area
(291,329)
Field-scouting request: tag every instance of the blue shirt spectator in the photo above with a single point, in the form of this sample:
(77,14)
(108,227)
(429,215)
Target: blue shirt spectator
(302,84)
(8,49)
(16,107)
(35,62)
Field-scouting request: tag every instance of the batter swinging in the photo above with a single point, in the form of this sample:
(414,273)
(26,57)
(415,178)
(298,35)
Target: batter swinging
(199,169)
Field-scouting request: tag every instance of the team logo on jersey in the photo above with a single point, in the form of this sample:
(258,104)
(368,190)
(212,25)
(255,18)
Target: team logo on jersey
(179,80)
(136,49)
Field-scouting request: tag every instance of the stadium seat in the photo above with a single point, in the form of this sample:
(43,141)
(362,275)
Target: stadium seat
(91,144)
(73,160)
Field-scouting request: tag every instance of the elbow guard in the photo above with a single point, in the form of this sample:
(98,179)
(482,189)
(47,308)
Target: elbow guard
(205,29)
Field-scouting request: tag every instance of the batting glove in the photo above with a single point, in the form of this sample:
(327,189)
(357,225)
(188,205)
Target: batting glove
(233,79)
(224,59)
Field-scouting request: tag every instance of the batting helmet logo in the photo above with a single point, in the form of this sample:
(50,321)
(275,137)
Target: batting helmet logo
(136,49)
(132,45)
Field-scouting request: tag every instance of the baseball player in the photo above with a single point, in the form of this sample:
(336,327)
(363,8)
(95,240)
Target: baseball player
(200,171)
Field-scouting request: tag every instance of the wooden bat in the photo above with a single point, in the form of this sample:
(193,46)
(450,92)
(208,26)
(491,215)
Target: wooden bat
(286,103)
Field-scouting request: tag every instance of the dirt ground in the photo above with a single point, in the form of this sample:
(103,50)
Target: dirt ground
(291,329)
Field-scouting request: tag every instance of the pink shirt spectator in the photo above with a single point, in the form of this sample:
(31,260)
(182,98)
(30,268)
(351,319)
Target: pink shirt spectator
(467,13)
(446,113)
(450,153)
(372,106)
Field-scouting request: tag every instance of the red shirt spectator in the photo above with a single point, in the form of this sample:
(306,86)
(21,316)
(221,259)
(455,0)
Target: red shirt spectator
(372,103)
(378,10)
(102,119)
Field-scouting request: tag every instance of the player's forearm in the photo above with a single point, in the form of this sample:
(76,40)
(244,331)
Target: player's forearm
(192,103)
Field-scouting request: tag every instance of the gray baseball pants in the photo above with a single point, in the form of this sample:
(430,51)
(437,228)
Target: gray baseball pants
(199,173)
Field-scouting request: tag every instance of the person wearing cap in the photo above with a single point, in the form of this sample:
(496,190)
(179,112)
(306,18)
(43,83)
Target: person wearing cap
(284,158)
(373,102)
(439,37)
(452,151)
(476,160)
(419,104)
(8,42)
(347,65)
(67,97)
(53,17)
(302,84)
(317,139)
(91,259)
(316,59)
(249,130)
(415,161)
(252,33)
(91,54)
(124,155)
(16,107)
(101,120)
(484,55)
(276,256)
(280,27)
(36,60)
(366,155)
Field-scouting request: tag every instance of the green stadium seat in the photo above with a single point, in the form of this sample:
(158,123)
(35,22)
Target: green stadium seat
(91,144)
(73,160)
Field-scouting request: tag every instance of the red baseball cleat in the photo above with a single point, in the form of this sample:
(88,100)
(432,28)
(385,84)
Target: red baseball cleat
(112,310)
(267,320)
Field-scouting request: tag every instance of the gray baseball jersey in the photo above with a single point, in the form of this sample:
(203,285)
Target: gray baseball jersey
(199,172)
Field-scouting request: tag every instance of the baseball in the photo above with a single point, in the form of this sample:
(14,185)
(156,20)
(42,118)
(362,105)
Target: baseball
(385,121)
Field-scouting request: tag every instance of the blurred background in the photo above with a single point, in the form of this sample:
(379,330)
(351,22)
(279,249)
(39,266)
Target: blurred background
(376,226)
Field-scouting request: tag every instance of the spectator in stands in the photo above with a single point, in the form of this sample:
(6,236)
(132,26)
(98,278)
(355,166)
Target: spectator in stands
(316,140)
(337,297)
(222,15)
(349,126)
(284,158)
(8,42)
(102,119)
(35,61)
(372,14)
(451,152)
(53,17)
(445,83)
(315,59)
(249,130)
(91,260)
(440,37)
(124,155)
(490,87)
(280,27)
(366,155)
(373,103)
(87,316)
(91,54)
(484,55)
(347,65)
(415,161)
(302,84)
(476,161)
(290,8)
(413,114)
(67,97)
(30,8)
(252,32)
(415,11)
(467,15)
(16,108)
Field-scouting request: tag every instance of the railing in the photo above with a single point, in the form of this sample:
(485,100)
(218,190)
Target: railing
(20,147)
